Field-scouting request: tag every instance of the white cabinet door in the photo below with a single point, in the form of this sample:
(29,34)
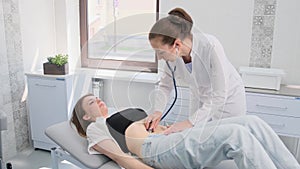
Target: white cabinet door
(47,105)
(282,125)
(282,113)
(276,105)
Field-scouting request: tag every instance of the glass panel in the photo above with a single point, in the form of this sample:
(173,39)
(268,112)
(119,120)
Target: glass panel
(119,29)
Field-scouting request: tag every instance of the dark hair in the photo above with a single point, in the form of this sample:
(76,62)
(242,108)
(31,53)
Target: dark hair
(177,25)
(77,117)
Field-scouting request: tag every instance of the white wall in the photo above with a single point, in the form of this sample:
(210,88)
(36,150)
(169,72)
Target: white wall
(120,94)
(286,52)
(73,33)
(38,32)
(230,21)
(53,27)
(48,28)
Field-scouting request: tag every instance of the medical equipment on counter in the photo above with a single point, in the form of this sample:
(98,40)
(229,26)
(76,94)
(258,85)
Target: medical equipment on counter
(175,88)
(98,88)
(262,78)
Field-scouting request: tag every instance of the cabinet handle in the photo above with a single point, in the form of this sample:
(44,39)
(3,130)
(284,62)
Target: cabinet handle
(42,85)
(272,107)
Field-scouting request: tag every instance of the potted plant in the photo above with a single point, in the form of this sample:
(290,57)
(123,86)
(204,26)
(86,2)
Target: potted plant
(57,65)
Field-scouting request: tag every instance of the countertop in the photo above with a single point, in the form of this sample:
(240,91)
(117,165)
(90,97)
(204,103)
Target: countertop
(285,90)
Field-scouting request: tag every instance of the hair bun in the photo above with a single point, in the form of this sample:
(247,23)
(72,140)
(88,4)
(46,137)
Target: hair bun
(182,14)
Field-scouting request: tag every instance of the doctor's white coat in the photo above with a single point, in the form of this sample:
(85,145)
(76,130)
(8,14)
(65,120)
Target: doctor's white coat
(217,90)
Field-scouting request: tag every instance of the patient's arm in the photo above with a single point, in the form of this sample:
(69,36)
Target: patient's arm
(177,127)
(110,149)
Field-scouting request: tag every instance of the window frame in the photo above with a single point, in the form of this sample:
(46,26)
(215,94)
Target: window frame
(86,62)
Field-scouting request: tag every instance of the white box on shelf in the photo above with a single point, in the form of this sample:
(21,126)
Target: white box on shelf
(264,78)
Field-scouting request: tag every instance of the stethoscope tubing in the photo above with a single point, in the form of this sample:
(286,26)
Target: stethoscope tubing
(175,88)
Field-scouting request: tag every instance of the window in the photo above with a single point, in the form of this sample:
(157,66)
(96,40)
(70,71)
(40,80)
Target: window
(114,34)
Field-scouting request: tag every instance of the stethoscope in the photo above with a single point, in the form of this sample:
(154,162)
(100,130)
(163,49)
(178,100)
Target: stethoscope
(175,88)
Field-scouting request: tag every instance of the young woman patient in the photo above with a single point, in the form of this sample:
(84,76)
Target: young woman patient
(248,140)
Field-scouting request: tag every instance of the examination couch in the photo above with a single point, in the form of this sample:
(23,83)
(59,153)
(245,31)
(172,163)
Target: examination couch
(73,148)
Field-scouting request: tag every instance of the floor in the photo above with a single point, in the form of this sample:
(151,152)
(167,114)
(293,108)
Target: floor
(36,159)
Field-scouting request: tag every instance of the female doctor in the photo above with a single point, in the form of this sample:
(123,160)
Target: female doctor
(199,60)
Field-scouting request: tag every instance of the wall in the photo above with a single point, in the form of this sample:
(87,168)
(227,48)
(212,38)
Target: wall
(230,21)
(120,94)
(120,90)
(286,51)
(38,32)
(52,28)
(56,30)
(260,33)
(5,102)
(16,137)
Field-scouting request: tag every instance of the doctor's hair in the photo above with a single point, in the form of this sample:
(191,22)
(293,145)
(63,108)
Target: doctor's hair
(77,117)
(177,25)
(181,13)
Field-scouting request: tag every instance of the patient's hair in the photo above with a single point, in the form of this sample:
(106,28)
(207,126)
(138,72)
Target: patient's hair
(177,25)
(77,117)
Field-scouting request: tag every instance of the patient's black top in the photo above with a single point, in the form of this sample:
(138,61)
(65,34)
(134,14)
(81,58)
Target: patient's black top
(118,123)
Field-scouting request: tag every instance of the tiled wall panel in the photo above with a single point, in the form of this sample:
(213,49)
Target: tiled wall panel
(16,138)
(262,33)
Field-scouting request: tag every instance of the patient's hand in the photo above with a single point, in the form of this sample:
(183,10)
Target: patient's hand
(177,127)
(160,129)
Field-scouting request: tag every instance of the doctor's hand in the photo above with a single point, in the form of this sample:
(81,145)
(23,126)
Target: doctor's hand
(177,127)
(153,120)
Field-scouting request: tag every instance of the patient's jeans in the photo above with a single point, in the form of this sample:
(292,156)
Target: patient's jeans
(248,140)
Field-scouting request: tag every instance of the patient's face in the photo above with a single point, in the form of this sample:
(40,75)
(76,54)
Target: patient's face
(94,107)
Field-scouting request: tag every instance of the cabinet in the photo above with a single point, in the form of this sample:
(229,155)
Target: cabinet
(280,109)
(49,103)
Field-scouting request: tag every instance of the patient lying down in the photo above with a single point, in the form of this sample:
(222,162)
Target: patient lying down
(248,140)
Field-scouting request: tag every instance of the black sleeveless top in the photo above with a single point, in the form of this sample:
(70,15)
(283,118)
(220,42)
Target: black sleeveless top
(118,123)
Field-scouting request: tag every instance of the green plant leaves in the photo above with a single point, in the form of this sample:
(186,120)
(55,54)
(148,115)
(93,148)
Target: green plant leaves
(59,59)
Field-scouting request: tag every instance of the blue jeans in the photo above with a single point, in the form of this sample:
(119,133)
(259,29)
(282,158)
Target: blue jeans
(248,140)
